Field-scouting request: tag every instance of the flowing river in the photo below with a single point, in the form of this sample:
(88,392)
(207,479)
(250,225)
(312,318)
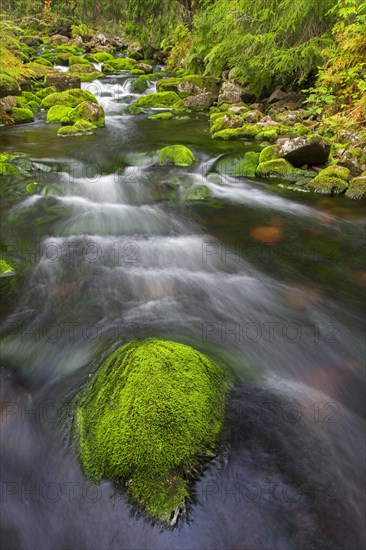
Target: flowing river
(269,283)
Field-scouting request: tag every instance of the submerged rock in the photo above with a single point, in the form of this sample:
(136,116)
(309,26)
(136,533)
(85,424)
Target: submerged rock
(149,418)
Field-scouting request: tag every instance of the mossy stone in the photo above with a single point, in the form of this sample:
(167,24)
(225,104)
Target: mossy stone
(268,153)
(6,269)
(85,73)
(357,188)
(168,85)
(336,171)
(267,135)
(160,99)
(8,86)
(248,131)
(140,85)
(80,128)
(134,110)
(328,185)
(59,113)
(74,60)
(41,94)
(69,98)
(8,170)
(179,155)
(22,116)
(278,168)
(167,115)
(248,165)
(148,418)
(121,64)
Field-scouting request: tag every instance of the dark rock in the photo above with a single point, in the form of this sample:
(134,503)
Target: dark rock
(302,150)
(62,81)
(32,41)
(231,92)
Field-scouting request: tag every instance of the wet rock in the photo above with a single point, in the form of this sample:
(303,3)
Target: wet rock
(196,84)
(62,81)
(144,67)
(303,150)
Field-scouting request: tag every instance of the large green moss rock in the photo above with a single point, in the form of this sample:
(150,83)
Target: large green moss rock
(328,185)
(75,60)
(247,167)
(59,114)
(179,155)
(21,116)
(68,98)
(148,418)
(100,57)
(84,72)
(357,188)
(8,86)
(121,64)
(268,153)
(140,85)
(158,100)
(80,128)
(278,168)
(247,131)
(168,85)
(336,172)
(87,110)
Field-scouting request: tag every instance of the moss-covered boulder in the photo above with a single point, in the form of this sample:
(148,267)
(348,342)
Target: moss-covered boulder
(121,64)
(168,85)
(195,193)
(278,168)
(247,131)
(22,116)
(69,98)
(158,100)
(357,188)
(268,153)
(179,155)
(8,86)
(267,135)
(84,72)
(166,115)
(41,94)
(80,128)
(313,150)
(148,419)
(134,110)
(198,102)
(77,60)
(336,171)
(91,112)
(198,84)
(100,57)
(247,167)
(59,114)
(327,185)
(140,85)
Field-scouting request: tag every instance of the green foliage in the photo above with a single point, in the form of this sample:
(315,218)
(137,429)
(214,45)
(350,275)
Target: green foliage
(178,155)
(147,418)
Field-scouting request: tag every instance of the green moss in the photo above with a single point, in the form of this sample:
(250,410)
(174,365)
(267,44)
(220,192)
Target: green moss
(248,165)
(160,99)
(195,193)
(69,98)
(336,172)
(278,168)
(74,60)
(8,86)
(8,170)
(43,61)
(122,64)
(168,84)
(161,116)
(268,153)
(5,269)
(267,135)
(149,415)
(41,94)
(248,131)
(178,155)
(34,106)
(21,116)
(81,127)
(89,111)
(85,73)
(140,85)
(133,110)
(328,185)
(137,71)
(29,96)
(100,57)
(59,113)
(357,188)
